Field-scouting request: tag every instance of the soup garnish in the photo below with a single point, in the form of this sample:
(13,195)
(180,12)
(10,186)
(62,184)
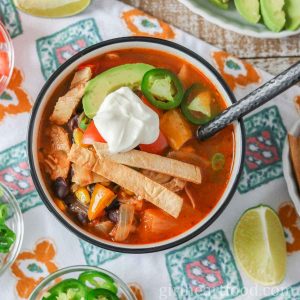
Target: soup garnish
(119,152)
(162,88)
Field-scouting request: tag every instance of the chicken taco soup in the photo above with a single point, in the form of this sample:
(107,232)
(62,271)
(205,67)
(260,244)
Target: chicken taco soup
(118,152)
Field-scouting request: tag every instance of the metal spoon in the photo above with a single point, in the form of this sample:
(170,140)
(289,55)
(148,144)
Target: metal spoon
(258,97)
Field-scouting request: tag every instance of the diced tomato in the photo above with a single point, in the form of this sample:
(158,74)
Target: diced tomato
(157,110)
(2,38)
(4,63)
(158,147)
(92,135)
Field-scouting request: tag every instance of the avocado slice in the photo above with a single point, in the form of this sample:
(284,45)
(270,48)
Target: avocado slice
(201,103)
(273,14)
(163,89)
(292,9)
(248,9)
(223,4)
(98,88)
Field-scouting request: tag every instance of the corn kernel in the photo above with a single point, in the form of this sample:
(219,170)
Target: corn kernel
(83,195)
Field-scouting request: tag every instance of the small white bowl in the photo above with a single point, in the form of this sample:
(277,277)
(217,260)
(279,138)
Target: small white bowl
(288,168)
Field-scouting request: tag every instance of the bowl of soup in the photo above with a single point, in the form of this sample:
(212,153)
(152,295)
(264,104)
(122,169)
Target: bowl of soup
(113,150)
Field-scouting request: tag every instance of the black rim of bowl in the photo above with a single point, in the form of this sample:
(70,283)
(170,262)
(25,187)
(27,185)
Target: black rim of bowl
(64,221)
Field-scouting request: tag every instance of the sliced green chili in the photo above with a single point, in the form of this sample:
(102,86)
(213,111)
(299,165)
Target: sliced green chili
(162,88)
(7,238)
(68,287)
(102,294)
(94,279)
(196,105)
(84,122)
(3,212)
(218,161)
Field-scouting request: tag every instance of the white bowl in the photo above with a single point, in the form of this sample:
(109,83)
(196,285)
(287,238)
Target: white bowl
(230,19)
(288,169)
(94,51)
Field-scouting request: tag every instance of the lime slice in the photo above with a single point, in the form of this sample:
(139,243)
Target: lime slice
(259,245)
(52,8)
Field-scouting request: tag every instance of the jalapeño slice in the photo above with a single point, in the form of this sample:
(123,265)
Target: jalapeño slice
(197,105)
(94,279)
(71,287)
(162,88)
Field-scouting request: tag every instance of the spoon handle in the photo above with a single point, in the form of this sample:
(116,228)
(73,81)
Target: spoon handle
(258,97)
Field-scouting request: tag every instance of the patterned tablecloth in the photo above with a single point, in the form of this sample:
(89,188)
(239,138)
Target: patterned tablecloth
(205,267)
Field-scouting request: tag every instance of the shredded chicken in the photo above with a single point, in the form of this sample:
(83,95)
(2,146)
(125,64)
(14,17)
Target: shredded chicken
(57,165)
(66,105)
(190,195)
(82,157)
(81,77)
(171,183)
(56,154)
(124,197)
(175,185)
(158,177)
(112,55)
(83,176)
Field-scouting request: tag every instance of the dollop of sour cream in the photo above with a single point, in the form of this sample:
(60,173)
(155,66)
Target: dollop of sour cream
(124,121)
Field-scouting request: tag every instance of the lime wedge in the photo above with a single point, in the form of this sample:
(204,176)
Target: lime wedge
(259,245)
(52,8)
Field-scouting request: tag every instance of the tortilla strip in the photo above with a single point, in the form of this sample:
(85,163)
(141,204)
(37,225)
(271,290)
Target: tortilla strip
(140,185)
(294,143)
(66,105)
(128,178)
(83,176)
(153,162)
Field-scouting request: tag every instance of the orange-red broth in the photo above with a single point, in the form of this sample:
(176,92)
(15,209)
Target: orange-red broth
(208,193)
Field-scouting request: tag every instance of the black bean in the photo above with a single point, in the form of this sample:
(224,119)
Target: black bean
(79,108)
(77,207)
(114,205)
(61,188)
(113,215)
(116,188)
(91,188)
(73,123)
(82,218)
(70,199)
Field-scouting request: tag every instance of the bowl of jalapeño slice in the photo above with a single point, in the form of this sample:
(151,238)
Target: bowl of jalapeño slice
(82,283)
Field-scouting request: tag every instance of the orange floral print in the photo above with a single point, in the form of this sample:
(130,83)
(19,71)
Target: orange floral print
(31,267)
(234,71)
(142,24)
(291,224)
(137,290)
(297,103)
(14,99)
